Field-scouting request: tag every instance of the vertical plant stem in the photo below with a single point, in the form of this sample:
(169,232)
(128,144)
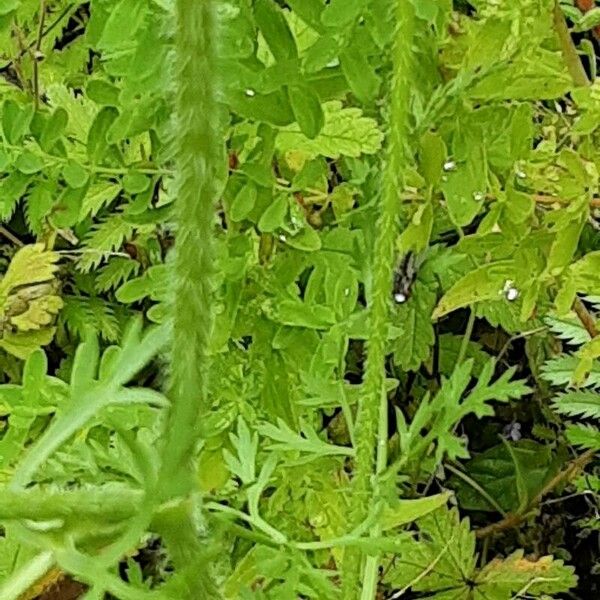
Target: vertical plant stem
(568,49)
(464,346)
(198,156)
(198,152)
(36,54)
(371,429)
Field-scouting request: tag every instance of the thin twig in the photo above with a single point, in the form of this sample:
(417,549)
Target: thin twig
(11,236)
(514,338)
(50,28)
(549,199)
(587,320)
(514,520)
(569,52)
(464,346)
(17,65)
(482,492)
(37,54)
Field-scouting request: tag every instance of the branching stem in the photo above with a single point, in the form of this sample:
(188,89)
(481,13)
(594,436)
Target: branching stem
(514,520)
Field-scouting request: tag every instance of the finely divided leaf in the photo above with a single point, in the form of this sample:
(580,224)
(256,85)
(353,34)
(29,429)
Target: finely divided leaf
(582,403)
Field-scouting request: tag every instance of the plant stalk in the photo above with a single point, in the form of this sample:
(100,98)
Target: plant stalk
(371,421)
(199,158)
(568,49)
(26,576)
(198,152)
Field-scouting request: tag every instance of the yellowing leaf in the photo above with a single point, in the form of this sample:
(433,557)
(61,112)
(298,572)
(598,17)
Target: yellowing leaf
(30,265)
(346,133)
(24,343)
(39,313)
(516,574)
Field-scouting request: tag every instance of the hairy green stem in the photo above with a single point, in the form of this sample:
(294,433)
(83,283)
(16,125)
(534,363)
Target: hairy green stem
(371,429)
(111,504)
(198,156)
(198,151)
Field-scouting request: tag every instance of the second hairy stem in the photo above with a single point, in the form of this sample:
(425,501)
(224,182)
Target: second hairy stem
(371,424)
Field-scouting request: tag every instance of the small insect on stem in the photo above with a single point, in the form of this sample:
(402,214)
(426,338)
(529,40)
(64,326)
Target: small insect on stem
(404,277)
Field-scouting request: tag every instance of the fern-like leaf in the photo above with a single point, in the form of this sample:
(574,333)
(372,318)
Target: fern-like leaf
(104,239)
(559,371)
(414,321)
(580,403)
(568,329)
(82,314)
(116,271)
(584,436)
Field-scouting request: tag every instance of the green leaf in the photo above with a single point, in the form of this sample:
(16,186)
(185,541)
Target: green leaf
(104,238)
(244,202)
(97,142)
(321,53)
(285,439)
(39,204)
(502,578)
(568,328)
(307,239)
(464,186)
(417,234)
(31,264)
(23,343)
(97,196)
(28,163)
(135,182)
(8,6)
(12,189)
(118,270)
(124,19)
(75,175)
(339,13)
(244,464)
(589,20)
(413,320)
(442,562)
(54,129)
(559,371)
(495,472)
(485,283)
(432,428)
(300,314)
(402,512)
(584,436)
(578,404)
(445,553)
(307,110)
(102,92)
(273,217)
(274,27)
(362,78)
(432,156)
(15,121)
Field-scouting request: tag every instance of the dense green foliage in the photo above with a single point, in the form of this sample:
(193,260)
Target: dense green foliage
(299,299)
